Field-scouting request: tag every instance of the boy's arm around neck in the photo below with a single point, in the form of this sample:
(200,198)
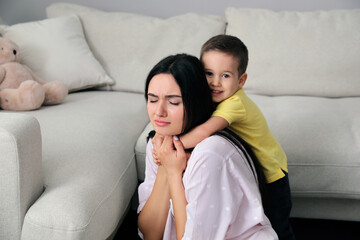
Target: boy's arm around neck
(199,133)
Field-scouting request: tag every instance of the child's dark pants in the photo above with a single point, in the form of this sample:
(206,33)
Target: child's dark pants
(280,207)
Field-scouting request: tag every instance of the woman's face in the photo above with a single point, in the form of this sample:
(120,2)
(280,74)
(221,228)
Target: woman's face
(165,106)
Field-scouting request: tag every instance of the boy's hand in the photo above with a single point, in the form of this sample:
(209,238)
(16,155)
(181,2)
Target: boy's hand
(156,141)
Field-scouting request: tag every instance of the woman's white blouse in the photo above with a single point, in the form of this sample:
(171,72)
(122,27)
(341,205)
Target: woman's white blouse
(222,194)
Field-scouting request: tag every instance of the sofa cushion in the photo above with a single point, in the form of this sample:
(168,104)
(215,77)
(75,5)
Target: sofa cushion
(21,180)
(129,45)
(321,138)
(56,49)
(140,151)
(300,53)
(89,167)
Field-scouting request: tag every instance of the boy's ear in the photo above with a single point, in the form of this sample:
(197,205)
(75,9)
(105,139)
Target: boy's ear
(242,80)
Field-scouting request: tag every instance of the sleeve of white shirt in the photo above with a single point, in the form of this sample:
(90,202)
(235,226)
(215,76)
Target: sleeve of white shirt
(212,203)
(146,187)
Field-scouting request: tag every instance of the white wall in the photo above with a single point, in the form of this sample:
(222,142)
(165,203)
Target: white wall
(15,11)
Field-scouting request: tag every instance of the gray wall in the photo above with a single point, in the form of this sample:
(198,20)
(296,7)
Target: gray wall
(15,11)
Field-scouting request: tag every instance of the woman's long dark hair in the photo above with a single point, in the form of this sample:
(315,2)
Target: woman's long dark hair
(189,74)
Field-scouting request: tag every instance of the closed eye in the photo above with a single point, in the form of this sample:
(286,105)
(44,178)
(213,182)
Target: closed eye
(175,103)
(152,98)
(174,99)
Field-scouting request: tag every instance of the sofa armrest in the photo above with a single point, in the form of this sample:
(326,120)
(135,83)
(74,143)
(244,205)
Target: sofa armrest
(21,179)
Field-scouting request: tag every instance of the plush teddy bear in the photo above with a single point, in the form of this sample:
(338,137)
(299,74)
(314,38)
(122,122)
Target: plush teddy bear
(20,89)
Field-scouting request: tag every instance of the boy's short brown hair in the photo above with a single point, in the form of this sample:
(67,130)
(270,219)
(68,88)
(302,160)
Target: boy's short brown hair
(228,44)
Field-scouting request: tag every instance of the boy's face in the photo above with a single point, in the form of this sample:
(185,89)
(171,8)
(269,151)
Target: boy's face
(222,74)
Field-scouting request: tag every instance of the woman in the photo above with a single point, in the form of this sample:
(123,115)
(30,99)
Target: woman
(212,195)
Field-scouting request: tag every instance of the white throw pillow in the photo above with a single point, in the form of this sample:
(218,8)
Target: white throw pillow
(129,45)
(300,53)
(56,49)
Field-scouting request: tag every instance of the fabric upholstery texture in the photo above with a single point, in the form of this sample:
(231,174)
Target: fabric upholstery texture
(129,45)
(140,151)
(321,138)
(20,172)
(56,49)
(300,53)
(326,208)
(89,166)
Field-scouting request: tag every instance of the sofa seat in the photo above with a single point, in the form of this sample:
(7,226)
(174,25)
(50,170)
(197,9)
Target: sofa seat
(329,172)
(89,165)
(332,128)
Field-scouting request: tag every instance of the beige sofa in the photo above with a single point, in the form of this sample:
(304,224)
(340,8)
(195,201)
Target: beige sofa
(69,171)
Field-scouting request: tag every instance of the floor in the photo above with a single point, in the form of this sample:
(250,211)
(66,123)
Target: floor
(304,229)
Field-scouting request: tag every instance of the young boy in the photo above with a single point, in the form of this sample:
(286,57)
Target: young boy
(225,60)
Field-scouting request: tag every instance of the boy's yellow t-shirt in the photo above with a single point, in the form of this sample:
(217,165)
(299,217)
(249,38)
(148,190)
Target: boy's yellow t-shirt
(246,120)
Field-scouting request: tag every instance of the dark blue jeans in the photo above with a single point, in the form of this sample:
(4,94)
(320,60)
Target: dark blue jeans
(280,207)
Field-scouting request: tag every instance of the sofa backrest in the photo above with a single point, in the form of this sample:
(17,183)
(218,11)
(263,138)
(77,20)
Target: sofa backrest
(300,53)
(13,12)
(291,53)
(129,45)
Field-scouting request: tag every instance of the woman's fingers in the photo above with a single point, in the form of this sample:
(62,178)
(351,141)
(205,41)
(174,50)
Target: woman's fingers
(155,157)
(167,144)
(157,141)
(164,149)
(172,155)
(180,152)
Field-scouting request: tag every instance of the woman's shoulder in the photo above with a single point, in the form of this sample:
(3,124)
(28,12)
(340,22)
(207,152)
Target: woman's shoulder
(216,145)
(216,152)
